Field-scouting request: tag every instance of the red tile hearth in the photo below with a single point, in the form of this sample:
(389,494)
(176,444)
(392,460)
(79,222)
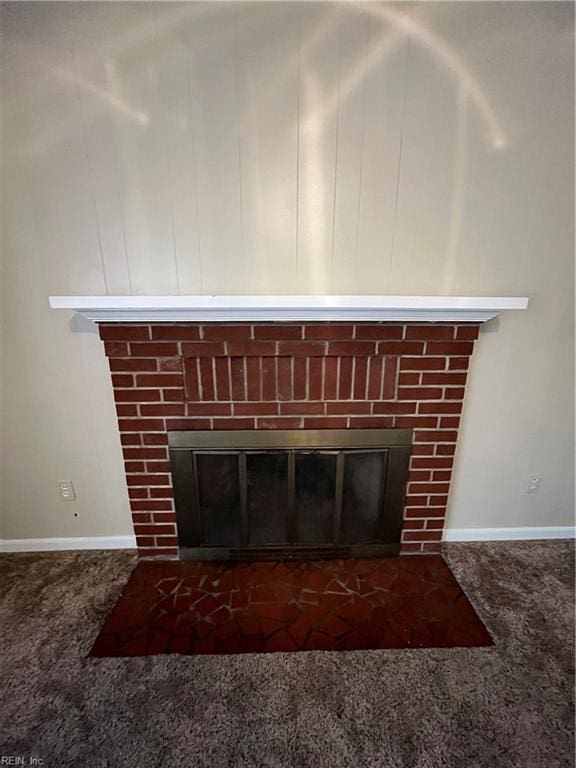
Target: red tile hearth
(340,605)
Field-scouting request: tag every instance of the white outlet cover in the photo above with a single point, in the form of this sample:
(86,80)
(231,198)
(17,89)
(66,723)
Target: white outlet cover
(67,492)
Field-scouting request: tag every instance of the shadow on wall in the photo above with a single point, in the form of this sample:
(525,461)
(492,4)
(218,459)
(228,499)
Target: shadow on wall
(80,324)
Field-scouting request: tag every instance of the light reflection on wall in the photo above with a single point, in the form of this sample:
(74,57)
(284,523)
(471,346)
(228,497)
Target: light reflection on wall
(449,58)
(148,40)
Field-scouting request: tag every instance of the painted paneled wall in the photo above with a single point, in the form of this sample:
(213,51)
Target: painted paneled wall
(285,148)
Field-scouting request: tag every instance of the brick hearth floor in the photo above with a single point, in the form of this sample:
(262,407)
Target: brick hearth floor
(192,608)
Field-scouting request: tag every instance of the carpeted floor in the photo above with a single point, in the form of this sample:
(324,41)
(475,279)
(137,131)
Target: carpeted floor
(509,706)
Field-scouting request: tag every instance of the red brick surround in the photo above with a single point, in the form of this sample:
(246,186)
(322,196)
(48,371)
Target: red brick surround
(287,376)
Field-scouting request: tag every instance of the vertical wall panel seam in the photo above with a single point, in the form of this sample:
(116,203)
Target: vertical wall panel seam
(168,173)
(297,217)
(238,136)
(361,171)
(195,177)
(400,149)
(77,91)
(336,144)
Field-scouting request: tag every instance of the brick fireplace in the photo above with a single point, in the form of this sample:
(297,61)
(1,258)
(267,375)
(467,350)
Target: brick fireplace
(288,375)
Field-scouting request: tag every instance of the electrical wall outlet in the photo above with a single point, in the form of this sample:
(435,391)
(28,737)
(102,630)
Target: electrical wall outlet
(67,492)
(533,483)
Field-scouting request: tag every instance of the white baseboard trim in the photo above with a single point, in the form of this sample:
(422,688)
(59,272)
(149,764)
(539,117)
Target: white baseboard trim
(129,542)
(510,534)
(83,542)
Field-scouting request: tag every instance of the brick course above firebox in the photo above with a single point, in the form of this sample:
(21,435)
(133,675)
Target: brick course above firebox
(287,376)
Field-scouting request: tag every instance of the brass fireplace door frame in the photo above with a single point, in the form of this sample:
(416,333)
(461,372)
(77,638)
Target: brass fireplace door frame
(185,446)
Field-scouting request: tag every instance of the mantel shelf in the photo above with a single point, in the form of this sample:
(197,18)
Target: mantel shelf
(207,309)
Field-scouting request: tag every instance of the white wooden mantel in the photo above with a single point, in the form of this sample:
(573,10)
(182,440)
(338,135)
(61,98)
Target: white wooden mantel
(206,309)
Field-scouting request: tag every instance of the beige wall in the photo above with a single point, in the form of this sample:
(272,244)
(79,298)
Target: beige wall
(277,148)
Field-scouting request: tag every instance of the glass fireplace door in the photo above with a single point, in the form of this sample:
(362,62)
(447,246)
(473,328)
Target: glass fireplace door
(267,498)
(289,501)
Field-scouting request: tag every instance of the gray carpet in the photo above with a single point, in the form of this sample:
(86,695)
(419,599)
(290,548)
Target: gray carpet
(511,705)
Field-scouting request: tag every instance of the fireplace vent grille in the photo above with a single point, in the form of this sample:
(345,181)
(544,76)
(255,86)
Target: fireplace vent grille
(290,553)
